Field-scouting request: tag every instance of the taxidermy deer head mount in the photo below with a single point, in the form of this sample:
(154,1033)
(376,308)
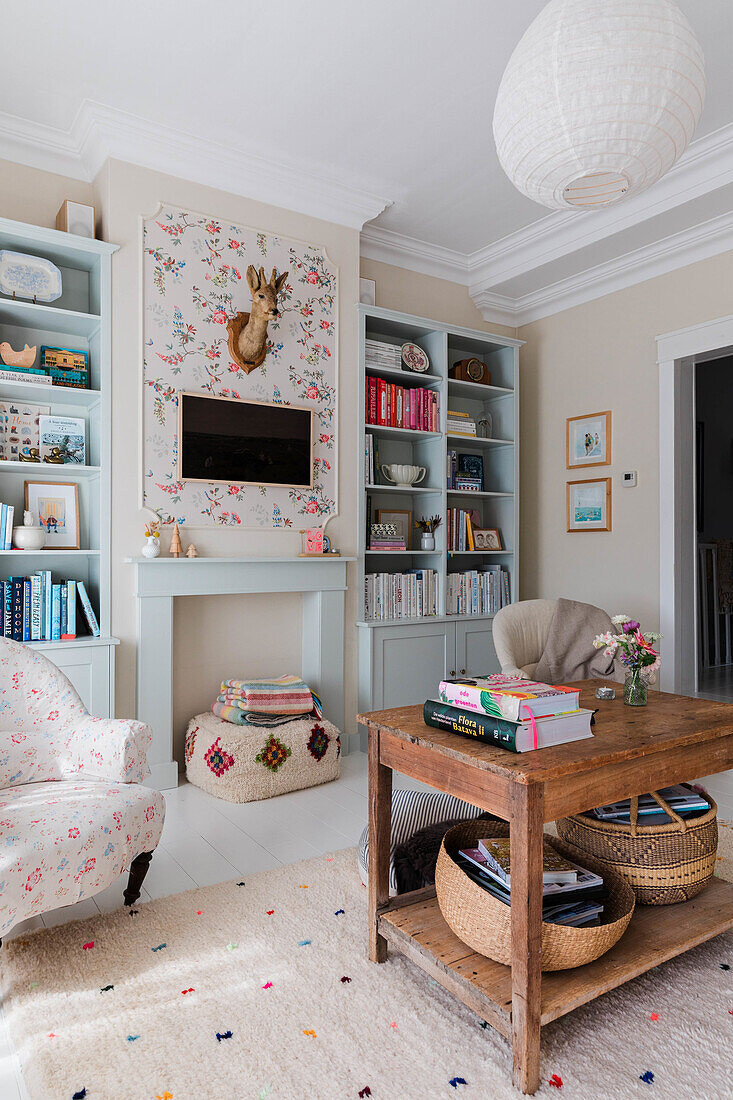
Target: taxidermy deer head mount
(248,331)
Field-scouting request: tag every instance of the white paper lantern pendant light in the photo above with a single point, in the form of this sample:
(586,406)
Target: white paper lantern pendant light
(598,101)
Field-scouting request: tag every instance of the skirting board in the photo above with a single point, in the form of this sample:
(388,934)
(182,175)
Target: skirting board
(163,777)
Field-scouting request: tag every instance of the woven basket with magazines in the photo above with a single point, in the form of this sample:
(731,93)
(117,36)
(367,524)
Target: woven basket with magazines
(663,864)
(484,923)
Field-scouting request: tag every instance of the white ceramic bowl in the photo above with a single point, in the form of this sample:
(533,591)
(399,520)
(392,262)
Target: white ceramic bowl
(404,477)
(29,538)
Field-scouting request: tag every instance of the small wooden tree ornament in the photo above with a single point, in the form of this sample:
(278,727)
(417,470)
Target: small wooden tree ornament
(192,552)
(176,549)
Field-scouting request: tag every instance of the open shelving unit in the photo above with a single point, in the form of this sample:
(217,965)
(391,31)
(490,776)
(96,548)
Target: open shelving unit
(81,319)
(413,649)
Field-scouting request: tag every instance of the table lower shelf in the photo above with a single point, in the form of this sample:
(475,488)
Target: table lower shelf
(655,934)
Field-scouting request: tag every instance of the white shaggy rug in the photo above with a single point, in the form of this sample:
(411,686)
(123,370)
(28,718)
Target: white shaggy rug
(261,989)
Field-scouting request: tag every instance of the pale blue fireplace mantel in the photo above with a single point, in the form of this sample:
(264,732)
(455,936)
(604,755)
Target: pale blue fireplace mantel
(322,583)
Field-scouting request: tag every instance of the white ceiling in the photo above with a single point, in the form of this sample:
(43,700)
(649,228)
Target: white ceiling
(327,106)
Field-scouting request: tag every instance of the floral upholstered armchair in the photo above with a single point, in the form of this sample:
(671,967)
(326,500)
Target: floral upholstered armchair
(73,815)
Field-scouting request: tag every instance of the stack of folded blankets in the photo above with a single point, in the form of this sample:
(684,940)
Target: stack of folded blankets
(262,738)
(266,702)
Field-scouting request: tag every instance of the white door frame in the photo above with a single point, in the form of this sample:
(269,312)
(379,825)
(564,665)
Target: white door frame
(677,354)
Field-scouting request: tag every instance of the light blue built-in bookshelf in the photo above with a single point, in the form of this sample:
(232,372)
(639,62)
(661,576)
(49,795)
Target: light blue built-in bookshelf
(402,661)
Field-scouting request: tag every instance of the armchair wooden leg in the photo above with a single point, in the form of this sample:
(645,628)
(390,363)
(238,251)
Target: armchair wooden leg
(138,871)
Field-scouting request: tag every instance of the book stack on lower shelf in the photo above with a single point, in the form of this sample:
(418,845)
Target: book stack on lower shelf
(34,609)
(518,715)
(571,895)
(411,595)
(481,591)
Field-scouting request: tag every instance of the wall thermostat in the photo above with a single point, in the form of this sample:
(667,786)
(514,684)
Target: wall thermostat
(628,478)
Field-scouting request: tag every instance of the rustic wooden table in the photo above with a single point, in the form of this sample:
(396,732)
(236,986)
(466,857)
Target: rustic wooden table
(633,750)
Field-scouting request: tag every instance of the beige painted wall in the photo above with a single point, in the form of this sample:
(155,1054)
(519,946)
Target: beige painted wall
(426,296)
(599,356)
(214,637)
(28,195)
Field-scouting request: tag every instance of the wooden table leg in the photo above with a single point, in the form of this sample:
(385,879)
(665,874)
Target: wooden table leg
(380,827)
(526,915)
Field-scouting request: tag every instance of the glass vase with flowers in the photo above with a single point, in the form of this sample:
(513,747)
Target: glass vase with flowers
(636,651)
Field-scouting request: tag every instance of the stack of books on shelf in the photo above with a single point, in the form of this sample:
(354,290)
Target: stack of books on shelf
(410,595)
(460,423)
(55,367)
(460,524)
(400,407)
(7,514)
(34,609)
(518,715)
(465,473)
(379,354)
(571,895)
(386,537)
(683,800)
(370,467)
(481,591)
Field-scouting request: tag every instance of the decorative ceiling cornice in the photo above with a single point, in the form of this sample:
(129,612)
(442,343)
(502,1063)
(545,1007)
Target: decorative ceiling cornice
(100,132)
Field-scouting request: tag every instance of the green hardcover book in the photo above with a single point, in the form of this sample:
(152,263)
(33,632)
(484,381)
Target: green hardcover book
(514,736)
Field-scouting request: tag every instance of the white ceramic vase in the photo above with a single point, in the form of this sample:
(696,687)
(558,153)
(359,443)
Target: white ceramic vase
(427,541)
(151,548)
(403,477)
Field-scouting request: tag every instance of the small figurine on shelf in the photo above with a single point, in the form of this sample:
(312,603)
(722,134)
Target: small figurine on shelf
(34,455)
(151,549)
(427,529)
(11,358)
(192,552)
(29,537)
(176,548)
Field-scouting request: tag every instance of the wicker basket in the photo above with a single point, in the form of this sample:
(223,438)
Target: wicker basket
(484,923)
(663,864)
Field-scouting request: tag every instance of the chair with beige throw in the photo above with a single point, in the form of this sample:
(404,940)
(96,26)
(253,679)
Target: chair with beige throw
(552,641)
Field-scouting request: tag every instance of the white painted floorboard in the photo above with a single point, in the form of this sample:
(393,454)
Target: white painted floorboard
(206,840)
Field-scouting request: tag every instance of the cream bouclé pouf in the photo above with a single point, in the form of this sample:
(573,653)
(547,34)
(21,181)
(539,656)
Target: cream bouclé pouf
(245,763)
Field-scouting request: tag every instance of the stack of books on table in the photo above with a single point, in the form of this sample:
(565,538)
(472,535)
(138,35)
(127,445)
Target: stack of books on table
(571,894)
(460,423)
(34,609)
(411,595)
(513,714)
(682,799)
(379,354)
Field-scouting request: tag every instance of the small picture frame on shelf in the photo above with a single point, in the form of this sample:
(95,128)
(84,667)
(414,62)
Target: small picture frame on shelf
(55,507)
(311,542)
(400,518)
(487,538)
(589,505)
(588,440)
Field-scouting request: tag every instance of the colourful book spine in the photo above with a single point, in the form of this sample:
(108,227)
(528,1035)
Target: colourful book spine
(46,604)
(8,532)
(494,731)
(3,520)
(26,609)
(17,608)
(7,609)
(64,600)
(70,609)
(35,581)
(87,608)
(55,612)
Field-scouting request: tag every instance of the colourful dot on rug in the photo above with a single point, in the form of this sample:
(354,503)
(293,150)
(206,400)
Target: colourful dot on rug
(654,1016)
(303,943)
(106,988)
(232,946)
(218,759)
(303,886)
(199,912)
(88,946)
(159,947)
(165,1096)
(393,1024)
(241,884)
(555,1081)
(132,1038)
(339,913)
(51,1035)
(724,966)
(264,1092)
(267,985)
(366,1091)
(269,912)
(454,1082)
(329,859)
(345,979)
(184,991)
(79,1095)
(647,1077)
(312,1034)
(223,1035)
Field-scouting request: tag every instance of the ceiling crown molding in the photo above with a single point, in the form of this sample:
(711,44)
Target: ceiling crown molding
(389,247)
(100,132)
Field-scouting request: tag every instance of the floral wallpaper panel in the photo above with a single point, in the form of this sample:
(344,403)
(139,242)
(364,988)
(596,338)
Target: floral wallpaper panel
(194,280)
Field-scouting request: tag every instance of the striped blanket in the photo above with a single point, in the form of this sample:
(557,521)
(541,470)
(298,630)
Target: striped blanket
(286,695)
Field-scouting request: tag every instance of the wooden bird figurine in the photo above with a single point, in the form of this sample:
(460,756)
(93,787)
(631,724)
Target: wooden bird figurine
(24,358)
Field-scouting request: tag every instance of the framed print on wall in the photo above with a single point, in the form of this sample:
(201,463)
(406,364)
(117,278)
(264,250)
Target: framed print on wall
(55,507)
(588,440)
(589,505)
